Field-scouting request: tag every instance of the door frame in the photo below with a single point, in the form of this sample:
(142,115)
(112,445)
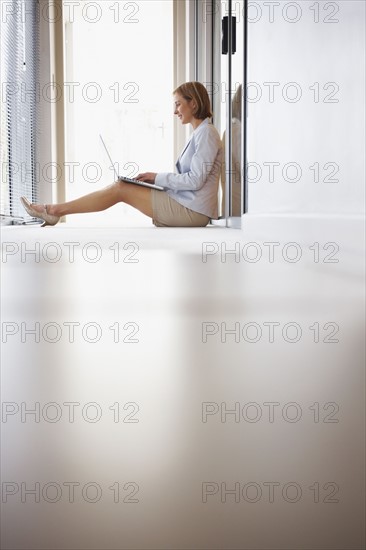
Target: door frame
(206,20)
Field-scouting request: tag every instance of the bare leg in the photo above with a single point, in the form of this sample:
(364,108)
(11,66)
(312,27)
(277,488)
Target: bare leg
(138,197)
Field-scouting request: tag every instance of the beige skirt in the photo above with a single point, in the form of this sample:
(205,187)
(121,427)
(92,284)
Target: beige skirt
(169,213)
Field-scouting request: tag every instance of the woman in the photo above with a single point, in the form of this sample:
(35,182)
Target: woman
(189,198)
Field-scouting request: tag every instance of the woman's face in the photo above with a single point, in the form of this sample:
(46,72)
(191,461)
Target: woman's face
(183,109)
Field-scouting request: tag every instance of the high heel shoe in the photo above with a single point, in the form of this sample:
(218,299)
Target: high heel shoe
(48,219)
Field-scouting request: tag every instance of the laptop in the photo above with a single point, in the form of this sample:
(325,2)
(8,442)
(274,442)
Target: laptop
(129,180)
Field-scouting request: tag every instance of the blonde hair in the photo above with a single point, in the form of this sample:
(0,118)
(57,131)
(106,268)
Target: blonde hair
(197,92)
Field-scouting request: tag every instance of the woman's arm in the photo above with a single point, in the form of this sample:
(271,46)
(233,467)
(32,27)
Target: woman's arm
(207,145)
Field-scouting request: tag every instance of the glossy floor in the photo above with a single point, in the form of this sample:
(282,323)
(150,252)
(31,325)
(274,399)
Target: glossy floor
(183,388)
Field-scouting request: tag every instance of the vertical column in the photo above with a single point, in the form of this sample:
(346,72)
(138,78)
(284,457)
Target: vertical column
(228,148)
(179,26)
(244,110)
(58,111)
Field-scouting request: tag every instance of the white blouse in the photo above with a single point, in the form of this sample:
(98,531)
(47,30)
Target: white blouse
(199,165)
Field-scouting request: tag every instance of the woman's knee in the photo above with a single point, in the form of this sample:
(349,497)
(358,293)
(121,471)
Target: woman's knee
(119,188)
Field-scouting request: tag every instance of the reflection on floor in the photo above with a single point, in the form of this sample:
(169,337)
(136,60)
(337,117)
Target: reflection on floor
(183,388)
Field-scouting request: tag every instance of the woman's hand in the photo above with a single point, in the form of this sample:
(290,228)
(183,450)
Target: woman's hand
(148,177)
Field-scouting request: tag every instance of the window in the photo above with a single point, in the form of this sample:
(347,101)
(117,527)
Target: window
(119,76)
(19,105)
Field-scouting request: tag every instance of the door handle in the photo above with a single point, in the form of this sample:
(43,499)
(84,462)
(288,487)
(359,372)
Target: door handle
(225,35)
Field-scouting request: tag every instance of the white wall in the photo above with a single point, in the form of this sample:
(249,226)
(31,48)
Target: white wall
(306,131)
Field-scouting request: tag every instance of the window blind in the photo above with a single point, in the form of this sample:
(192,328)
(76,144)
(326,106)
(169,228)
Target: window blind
(20,97)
